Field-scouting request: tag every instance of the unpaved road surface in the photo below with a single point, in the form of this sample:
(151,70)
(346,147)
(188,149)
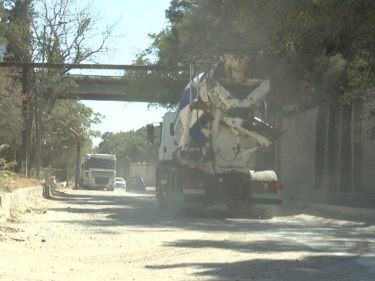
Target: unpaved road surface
(100,235)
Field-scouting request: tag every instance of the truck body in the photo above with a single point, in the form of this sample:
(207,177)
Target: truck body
(97,171)
(210,156)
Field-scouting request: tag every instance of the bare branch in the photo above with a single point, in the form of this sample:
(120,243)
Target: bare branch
(75,30)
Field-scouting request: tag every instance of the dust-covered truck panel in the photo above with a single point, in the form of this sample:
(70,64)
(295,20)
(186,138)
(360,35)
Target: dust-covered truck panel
(219,128)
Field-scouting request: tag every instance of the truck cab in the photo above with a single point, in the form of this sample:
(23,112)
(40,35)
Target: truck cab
(168,146)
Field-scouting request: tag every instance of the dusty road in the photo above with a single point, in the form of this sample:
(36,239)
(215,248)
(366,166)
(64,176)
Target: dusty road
(99,235)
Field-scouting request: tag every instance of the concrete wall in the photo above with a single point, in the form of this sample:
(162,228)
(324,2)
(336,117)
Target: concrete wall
(296,161)
(146,170)
(18,201)
(296,153)
(123,167)
(368,148)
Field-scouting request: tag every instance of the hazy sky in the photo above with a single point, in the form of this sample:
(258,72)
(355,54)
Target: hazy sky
(138,18)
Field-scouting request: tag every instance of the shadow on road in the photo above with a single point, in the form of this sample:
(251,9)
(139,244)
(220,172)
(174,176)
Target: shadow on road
(139,212)
(319,267)
(140,209)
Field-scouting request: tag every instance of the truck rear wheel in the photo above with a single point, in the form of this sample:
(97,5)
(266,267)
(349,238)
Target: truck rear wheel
(162,203)
(232,208)
(267,214)
(174,196)
(262,213)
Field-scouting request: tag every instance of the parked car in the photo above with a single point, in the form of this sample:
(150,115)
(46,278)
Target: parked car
(135,183)
(120,182)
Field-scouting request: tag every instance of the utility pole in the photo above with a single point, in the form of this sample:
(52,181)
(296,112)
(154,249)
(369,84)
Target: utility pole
(25,111)
(79,142)
(40,111)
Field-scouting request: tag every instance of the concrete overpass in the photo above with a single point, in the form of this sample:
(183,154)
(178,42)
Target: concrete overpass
(88,88)
(93,87)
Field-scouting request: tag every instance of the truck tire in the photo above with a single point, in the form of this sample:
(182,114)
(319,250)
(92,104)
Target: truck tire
(262,213)
(240,211)
(169,190)
(162,204)
(80,184)
(173,196)
(232,209)
(255,213)
(267,214)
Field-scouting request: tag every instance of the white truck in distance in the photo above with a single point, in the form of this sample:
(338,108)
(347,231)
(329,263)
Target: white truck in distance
(97,171)
(210,147)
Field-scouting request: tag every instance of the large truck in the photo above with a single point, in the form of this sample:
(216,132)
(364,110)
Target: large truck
(97,171)
(210,147)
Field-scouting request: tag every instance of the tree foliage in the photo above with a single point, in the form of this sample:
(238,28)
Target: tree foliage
(69,31)
(67,115)
(10,120)
(132,144)
(162,85)
(16,29)
(10,109)
(164,51)
(314,51)
(57,31)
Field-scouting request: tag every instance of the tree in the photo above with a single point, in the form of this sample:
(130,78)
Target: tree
(317,54)
(58,137)
(69,31)
(167,86)
(10,118)
(65,31)
(163,85)
(17,20)
(10,109)
(132,144)
(314,51)
(16,35)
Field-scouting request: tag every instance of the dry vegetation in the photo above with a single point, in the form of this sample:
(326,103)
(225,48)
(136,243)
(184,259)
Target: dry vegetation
(13,184)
